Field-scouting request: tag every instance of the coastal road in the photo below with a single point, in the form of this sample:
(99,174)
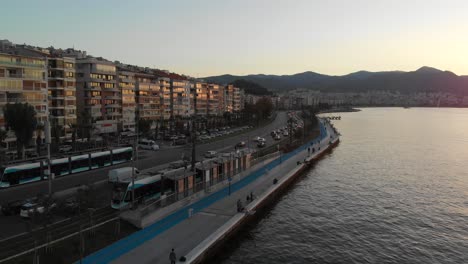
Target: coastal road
(147,159)
(13,225)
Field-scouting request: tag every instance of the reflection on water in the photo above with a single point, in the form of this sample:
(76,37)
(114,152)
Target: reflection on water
(394,191)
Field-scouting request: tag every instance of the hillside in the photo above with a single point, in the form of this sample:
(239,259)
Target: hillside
(425,79)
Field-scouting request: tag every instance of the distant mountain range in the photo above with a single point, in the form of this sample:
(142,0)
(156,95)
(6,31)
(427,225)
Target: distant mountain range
(425,79)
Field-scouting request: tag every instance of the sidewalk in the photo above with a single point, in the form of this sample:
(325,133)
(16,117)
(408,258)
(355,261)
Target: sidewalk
(212,215)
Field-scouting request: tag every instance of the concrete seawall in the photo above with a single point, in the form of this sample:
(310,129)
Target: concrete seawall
(198,230)
(210,247)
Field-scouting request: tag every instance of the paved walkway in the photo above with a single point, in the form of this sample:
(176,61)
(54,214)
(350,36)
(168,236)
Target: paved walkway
(153,244)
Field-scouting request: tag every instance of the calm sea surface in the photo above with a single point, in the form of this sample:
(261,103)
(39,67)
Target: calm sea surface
(395,190)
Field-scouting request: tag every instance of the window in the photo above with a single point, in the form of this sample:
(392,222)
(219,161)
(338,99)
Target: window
(105,68)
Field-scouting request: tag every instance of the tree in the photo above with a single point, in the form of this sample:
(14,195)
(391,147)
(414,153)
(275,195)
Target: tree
(251,87)
(3,137)
(21,118)
(85,124)
(144,126)
(40,128)
(74,129)
(264,107)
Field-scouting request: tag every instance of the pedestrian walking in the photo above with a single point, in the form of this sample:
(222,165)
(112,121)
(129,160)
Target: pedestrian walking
(251,196)
(172,257)
(308,151)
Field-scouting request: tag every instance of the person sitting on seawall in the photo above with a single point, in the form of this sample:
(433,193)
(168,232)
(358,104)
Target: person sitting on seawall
(240,207)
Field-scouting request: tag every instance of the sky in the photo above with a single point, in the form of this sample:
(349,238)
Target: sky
(213,37)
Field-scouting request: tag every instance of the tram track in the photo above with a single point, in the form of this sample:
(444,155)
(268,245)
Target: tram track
(29,240)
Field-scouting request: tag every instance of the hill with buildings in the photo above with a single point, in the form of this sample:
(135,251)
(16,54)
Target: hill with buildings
(425,79)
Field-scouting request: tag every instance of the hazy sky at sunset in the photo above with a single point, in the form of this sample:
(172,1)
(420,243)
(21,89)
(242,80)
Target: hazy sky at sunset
(211,37)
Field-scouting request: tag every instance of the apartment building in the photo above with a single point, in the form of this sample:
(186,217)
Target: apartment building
(127,85)
(166,95)
(148,96)
(180,90)
(22,80)
(236,99)
(214,106)
(201,91)
(61,96)
(98,95)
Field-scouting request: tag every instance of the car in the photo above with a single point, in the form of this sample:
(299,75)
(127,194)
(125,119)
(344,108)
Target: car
(256,139)
(204,137)
(210,154)
(181,141)
(278,137)
(261,144)
(285,133)
(240,144)
(262,140)
(173,137)
(181,136)
(70,206)
(12,208)
(148,144)
(31,207)
(273,133)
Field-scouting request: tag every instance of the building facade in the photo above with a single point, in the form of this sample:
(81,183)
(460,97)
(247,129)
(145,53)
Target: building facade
(62,96)
(22,80)
(98,95)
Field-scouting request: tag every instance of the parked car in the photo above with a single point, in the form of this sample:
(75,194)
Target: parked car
(65,148)
(148,144)
(12,208)
(278,137)
(240,144)
(261,144)
(174,137)
(285,133)
(204,137)
(256,139)
(210,154)
(181,141)
(262,140)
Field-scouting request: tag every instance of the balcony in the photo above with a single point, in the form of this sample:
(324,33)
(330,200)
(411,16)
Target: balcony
(112,106)
(113,97)
(21,64)
(93,88)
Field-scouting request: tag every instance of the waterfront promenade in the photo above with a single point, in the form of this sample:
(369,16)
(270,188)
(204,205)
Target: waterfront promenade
(213,216)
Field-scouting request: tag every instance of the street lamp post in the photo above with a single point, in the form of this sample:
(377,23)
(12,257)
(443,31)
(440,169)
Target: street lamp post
(47,129)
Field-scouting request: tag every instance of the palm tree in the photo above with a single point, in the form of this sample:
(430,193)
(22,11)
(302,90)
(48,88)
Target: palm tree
(21,118)
(40,128)
(74,129)
(3,137)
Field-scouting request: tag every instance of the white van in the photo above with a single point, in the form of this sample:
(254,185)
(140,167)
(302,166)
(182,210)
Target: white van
(148,144)
(121,174)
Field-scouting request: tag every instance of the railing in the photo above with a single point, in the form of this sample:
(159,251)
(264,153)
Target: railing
(208,187)
(22,64)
